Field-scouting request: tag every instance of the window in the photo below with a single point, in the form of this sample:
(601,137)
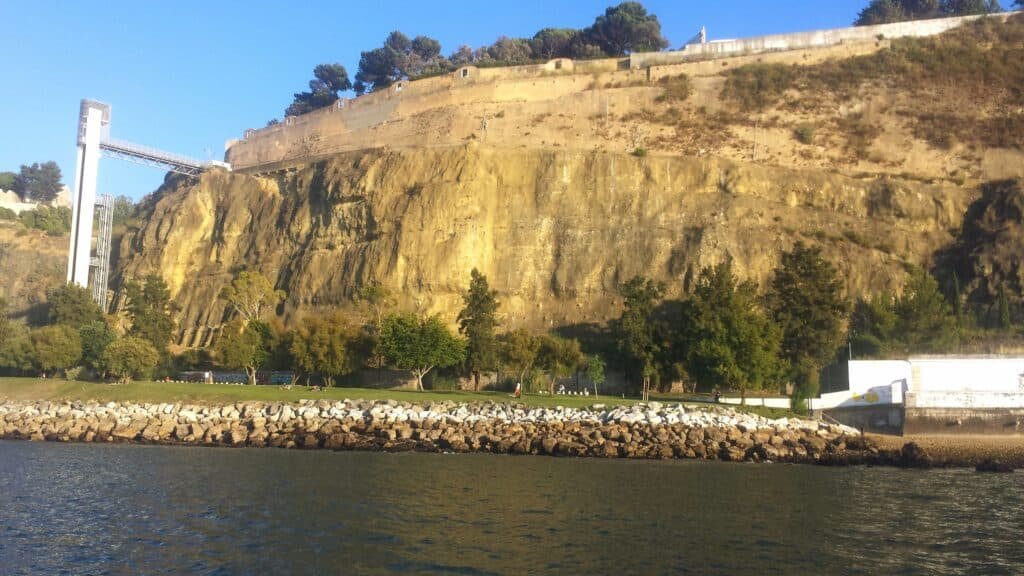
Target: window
(465,72)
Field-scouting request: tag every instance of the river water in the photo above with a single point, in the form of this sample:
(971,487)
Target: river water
(95,509)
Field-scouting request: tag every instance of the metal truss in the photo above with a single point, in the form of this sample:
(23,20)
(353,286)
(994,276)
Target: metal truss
(146,156)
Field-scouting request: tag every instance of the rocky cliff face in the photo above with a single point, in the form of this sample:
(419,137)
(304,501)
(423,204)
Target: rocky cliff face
(555,232)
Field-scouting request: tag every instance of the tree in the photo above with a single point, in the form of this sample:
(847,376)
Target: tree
(731,342)
(5,323)
(419,344)
(873,326)
(635,329)
(250,294)
(124,208)
(378,299)
(1005,319)
(16,351)
(969,7)
(328,80)
(244,345)
(56,347)
(325,345)
(7,180)
(477,322)
(560,357)
(625,29)
(149,307)
(398,59)
(129,356)
(886,11)
(73,305)
(510,51)
(553,43)
(595,371)
(806,302)
(38,182)
(519,351)
(96,336)
(926,321)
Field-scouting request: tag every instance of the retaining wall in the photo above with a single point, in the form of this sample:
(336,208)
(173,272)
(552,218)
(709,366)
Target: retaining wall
(983,421)
(800,40)
(444,119)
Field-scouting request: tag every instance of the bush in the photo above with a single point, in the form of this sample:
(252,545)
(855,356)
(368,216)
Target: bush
(130,356)
(756,86)
(53,221)
(804,133)
(7,214)
(639,152)
(677,88)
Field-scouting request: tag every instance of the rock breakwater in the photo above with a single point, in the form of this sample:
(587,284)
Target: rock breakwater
(641,431)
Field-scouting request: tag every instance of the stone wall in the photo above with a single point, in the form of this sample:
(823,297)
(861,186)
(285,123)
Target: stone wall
(802,40)
(466,104)
(641,431)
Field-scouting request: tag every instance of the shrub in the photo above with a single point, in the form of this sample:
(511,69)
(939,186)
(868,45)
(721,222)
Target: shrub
(639,152)
(129,356)
(804,133)
(677,88)
(756,86)
(7,214)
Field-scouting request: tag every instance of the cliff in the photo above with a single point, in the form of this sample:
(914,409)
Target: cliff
(561,180)
(554,231)
(31,263)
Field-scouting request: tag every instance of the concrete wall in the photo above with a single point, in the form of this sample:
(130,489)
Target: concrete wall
(938,382)
(800,40)
(988,421)
(877,419)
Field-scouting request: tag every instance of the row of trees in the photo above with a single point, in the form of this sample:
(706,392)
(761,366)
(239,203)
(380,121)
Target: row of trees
(726,335)
(329,345)
(886,11)
(35,183)
(621,30)
(79,334)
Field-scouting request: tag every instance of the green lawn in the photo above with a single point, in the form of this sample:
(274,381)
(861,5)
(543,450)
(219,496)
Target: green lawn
(157,392)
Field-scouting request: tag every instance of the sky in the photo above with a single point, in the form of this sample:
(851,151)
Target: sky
(186,75)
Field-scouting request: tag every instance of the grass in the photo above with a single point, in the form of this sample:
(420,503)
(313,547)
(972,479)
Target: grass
(171,392)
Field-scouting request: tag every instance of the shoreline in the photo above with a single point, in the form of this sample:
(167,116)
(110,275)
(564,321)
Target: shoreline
(642,431)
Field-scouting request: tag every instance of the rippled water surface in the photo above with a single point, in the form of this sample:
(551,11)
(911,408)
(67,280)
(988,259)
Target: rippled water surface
(92,509)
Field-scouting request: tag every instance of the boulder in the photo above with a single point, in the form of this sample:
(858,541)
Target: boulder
(913,456)
(993,465)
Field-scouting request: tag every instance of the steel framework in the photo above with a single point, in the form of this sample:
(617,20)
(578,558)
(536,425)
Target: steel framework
(146,156)
(101,260)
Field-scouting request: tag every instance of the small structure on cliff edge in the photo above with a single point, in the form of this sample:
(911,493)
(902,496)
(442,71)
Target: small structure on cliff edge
(934,395)
(94,137)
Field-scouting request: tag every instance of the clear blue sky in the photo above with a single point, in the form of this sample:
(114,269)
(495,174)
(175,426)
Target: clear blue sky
(187,75)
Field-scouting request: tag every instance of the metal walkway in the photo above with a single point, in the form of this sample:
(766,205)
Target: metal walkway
(147,156)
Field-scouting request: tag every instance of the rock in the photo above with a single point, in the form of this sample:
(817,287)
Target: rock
(993,465)
(548,444)
(334,442)
(913,456)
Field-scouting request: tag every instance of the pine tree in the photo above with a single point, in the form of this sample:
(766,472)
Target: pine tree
(477,322)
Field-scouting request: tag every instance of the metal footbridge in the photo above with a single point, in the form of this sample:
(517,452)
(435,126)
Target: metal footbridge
(147,156)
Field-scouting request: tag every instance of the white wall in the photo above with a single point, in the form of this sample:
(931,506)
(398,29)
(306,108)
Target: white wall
(936,382)
(1001,375)
(797,40)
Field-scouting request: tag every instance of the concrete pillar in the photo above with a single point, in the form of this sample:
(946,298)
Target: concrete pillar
(83,198)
